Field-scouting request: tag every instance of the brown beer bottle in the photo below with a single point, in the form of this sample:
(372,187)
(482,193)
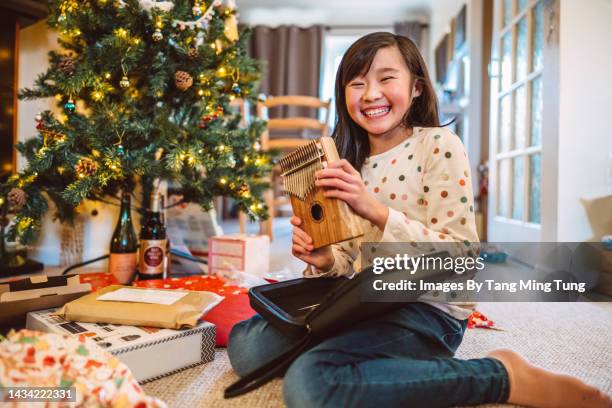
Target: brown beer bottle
(152,243)
(124,244)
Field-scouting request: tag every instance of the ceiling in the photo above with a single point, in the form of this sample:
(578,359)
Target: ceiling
(338,12)
(339,4)
(27,11)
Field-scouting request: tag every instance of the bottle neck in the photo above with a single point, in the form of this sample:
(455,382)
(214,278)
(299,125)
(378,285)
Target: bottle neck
(125,211)
(155,206)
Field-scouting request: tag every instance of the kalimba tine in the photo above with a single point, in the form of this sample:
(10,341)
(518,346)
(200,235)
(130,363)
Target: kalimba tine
(326,220)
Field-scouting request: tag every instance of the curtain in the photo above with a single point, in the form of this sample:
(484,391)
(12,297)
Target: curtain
(411,29)
(292,60)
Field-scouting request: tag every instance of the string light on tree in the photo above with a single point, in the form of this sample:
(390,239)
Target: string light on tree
(97,95)
(121,32)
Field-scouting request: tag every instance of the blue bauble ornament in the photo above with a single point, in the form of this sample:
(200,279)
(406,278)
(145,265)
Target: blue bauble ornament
(70,106)
(120,150)
(236,89)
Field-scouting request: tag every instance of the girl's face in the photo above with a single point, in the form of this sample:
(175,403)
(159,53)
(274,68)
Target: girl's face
(378,100)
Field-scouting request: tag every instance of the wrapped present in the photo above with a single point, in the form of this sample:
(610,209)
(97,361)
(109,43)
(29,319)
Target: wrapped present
(234,308)
(150,352)
(21,296)
(239,252)
(117,304)
(34,359)
(478,320)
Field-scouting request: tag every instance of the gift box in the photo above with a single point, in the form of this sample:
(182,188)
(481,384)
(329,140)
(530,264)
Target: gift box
(19,297)
(149,352)
(234,308)
(239,252)
(163,308)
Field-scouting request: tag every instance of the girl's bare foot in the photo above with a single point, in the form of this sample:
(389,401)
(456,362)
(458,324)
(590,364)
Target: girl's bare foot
(535,387)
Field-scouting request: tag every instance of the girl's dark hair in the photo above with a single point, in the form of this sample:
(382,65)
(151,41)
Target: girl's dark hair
(352,140)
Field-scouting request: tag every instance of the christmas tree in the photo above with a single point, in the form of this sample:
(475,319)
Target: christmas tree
(145,88)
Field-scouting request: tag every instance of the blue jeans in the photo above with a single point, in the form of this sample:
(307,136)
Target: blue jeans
(404,358)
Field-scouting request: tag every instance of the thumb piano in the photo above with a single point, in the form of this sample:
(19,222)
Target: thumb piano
(326,220)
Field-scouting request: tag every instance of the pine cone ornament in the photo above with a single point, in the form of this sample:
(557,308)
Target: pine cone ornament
(193,53)
(244,190)
(86,168)
(16,199)
(183,80)
(66,65)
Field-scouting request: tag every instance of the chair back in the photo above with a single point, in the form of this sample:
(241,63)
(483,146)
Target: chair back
(292,123)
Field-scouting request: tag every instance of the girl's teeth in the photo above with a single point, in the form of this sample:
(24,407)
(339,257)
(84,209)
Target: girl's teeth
(377,112)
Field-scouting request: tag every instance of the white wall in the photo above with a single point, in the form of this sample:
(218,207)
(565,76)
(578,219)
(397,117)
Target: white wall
(35,42)
(585,111)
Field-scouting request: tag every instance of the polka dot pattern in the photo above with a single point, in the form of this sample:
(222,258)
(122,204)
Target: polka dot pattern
(436,205)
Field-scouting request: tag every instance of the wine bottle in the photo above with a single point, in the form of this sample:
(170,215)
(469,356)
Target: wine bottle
(124,245)
(152,243)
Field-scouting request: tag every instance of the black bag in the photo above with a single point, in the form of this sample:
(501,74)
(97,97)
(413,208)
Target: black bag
(313,309)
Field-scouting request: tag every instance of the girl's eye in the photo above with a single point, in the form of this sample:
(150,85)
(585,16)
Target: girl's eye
(356,84)
(387,78)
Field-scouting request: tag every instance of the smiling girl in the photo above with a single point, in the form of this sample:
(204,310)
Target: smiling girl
(409,180)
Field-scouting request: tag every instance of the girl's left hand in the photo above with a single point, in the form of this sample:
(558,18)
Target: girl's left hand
(344,182)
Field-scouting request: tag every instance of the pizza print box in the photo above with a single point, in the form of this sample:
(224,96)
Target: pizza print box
(239,252)
(149,352)
(21,296)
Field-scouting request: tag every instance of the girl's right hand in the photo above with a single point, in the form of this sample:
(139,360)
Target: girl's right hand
(320,258)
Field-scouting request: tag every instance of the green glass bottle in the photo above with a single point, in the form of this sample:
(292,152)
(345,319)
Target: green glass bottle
(124,245)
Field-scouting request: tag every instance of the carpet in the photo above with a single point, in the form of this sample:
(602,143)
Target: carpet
(572,338)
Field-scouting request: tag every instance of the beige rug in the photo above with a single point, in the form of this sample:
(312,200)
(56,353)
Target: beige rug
(573,338)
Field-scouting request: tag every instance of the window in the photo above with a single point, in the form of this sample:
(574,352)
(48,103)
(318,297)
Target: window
(518,101)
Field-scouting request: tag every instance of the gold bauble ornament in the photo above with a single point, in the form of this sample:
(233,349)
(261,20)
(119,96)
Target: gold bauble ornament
(125,82)
(157,35)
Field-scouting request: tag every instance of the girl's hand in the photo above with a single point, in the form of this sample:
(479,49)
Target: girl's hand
(321,258)
(345,183)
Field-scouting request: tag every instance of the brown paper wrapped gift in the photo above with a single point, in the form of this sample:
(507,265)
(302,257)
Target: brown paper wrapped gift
(185,312)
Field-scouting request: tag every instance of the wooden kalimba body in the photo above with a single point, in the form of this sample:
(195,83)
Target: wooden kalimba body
(326,220)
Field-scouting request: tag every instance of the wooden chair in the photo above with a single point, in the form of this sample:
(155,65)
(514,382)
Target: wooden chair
(287,143)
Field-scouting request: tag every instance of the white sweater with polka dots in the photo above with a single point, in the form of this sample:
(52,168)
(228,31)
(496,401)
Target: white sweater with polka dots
(425,182)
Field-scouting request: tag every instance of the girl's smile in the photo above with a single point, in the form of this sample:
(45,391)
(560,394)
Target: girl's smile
(376,111)
(378,99)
